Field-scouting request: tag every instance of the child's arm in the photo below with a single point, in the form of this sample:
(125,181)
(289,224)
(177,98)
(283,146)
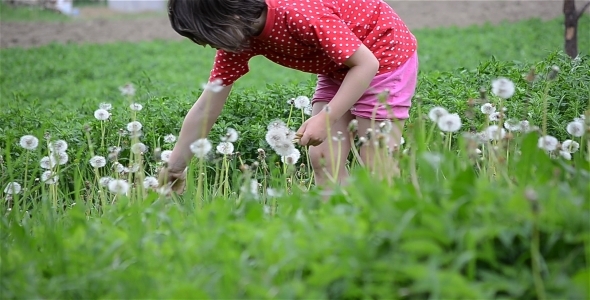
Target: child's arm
(196,125)
(363,66)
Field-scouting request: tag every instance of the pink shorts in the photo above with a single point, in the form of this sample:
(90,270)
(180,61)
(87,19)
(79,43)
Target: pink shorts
(400,83)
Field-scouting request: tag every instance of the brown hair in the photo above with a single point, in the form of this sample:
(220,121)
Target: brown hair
(224,24)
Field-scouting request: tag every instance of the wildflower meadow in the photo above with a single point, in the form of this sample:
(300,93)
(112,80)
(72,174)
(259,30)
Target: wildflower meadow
(487,196)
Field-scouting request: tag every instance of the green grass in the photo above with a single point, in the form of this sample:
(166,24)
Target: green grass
(9,13)
(510,222)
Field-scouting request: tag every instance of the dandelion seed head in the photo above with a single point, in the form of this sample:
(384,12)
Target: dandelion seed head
(150,182)
(307,110)
(301,102)
(386,126)
(60,158)
(225,148)
(548,143)
(165,155)
(58,146)
(135,106)
(105,106)
(127,90)
(138,148)
(114,149)
(488,108)
(436,112)
(512,125)
(284,149)
(118,167)
(98,161)
(104,181)
(49,177)
(201,147)
(102,114)
(118,186)
(134,126)
(570,146)
(575,128)
(133,168)
(449,123)
(231,136)
(12,188)
(494,133)
(495,116)
(503,87)
(565,155)
(170,138)
(29,142)
(47,163)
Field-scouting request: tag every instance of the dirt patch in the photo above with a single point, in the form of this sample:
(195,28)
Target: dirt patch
(100,25)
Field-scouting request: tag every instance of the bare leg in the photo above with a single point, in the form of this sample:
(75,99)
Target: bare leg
(329,158)
(376,152)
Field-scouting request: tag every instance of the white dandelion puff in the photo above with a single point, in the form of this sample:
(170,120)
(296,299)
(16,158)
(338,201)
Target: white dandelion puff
(12,188)
(494,133)
(548,143)
(276,136)
(301,102)
(133,168)
(495,116)
(150,182)
(105,106)
(570,146)
(127,90)
(488,108)
(512,125)
(104,181)
(566,155)
(165,155)
(58,146)
(29,142)
(292,158)
(449,122)
(118,167)
(114,149)
(135,106)
(60,158)
(225,148)
(170,138)
(134,126)
(503,87)
(201,147)
(284,149)
(436,112)
(47,163)
(138,148)
(307,110)
(98,161)
(118,186)
(575,128)
(231,136)
(102,114)
(49,177)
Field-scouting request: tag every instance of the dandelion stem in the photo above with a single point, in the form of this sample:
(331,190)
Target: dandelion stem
(535,260)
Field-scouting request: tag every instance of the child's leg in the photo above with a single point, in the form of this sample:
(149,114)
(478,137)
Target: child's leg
(329,158)
(377,153)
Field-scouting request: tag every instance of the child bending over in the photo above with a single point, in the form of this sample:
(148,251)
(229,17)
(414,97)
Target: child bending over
(359,49)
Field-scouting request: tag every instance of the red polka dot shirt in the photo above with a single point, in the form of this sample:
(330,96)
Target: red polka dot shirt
(318,36)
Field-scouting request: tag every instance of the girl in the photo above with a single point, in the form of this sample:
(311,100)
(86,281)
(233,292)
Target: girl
(358,49)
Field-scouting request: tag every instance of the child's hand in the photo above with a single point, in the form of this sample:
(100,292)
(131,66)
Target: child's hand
(175,180)
(313,131)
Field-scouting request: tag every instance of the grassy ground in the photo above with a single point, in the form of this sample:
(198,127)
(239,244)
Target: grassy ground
(494,216)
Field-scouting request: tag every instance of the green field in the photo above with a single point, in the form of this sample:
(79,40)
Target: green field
(467,218)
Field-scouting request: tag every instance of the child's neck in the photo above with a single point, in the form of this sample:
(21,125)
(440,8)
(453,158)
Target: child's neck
(261,22)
